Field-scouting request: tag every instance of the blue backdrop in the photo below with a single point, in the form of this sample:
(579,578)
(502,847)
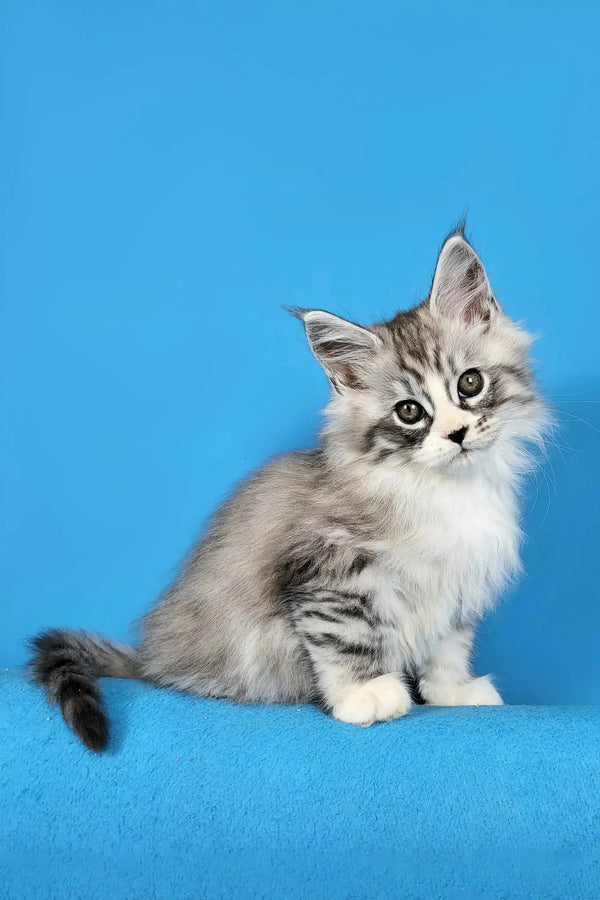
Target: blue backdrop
(173,173)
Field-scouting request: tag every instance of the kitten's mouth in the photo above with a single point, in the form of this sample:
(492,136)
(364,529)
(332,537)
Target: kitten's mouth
(465,454)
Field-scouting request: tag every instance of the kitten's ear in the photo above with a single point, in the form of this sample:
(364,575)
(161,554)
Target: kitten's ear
(460,286)
(342,348)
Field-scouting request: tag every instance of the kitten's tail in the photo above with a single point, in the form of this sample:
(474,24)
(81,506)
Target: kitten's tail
(68,665)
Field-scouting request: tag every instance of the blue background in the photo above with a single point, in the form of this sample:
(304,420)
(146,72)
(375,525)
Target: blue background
(173,173)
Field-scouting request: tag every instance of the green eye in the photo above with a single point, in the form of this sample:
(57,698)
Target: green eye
(409,411)
(470,383)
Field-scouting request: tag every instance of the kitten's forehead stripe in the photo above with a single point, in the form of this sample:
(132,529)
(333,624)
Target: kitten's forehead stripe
(419,346)
(408,369)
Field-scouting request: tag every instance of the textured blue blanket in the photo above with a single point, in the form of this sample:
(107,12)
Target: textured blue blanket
(202,799)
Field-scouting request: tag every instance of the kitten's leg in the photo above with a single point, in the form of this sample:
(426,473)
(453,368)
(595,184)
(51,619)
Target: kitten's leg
(344,645)
(447,679)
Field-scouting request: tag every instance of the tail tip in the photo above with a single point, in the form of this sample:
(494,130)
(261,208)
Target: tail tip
(93,734)
(58,663)
(86,718)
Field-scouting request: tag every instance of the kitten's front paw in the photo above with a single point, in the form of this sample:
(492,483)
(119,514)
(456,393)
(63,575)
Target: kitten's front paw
(476,692)
(377,700)
(481,692)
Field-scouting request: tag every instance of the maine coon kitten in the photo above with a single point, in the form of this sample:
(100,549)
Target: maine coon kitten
(341,574)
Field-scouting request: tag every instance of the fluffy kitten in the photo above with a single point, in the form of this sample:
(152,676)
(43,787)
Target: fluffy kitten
(343,574)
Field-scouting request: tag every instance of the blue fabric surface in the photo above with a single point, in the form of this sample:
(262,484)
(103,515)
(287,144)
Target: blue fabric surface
(199,798)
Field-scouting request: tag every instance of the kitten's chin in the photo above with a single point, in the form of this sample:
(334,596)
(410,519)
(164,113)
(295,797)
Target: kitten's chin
(463,460)
(468,458)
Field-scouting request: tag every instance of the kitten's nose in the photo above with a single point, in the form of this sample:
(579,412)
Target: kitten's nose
(457,436)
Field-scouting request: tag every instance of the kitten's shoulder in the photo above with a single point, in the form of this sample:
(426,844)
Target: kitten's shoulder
(305,462)
(284,479)
(291,474)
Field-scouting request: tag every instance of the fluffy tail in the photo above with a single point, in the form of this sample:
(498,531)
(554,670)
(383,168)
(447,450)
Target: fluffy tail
(68,665)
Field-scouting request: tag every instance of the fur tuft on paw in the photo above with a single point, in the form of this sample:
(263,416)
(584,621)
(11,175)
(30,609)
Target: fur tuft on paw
(475,692)
(378,700)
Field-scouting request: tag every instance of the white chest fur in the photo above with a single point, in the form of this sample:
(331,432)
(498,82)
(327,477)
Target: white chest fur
(456,544)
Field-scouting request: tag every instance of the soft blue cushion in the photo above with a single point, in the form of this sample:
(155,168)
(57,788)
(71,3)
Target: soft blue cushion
(203,799)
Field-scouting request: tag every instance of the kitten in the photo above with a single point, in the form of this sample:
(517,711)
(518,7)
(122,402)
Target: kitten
(341,575)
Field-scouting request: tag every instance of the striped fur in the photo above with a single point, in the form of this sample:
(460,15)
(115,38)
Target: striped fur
(68,664)
(353,575)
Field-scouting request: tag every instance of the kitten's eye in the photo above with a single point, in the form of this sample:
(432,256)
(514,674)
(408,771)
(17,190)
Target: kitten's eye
(409,411)
(470,383)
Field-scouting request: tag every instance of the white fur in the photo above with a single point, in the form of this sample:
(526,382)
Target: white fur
(378,700)
(447,679)
(451,566)
(474,692)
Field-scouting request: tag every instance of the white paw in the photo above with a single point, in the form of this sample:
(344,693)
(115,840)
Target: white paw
(377,700)
(476,692)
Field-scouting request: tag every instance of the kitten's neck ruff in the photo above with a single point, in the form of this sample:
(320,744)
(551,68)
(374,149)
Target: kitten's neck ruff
(405,488)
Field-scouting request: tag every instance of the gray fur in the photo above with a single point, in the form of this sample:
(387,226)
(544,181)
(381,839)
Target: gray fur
(331,567)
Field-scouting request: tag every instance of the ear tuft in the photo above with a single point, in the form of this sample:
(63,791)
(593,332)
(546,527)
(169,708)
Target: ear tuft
(342,348)
(296,311)
(460,286)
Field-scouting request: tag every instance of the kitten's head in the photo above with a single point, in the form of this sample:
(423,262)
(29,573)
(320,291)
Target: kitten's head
(445,386)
